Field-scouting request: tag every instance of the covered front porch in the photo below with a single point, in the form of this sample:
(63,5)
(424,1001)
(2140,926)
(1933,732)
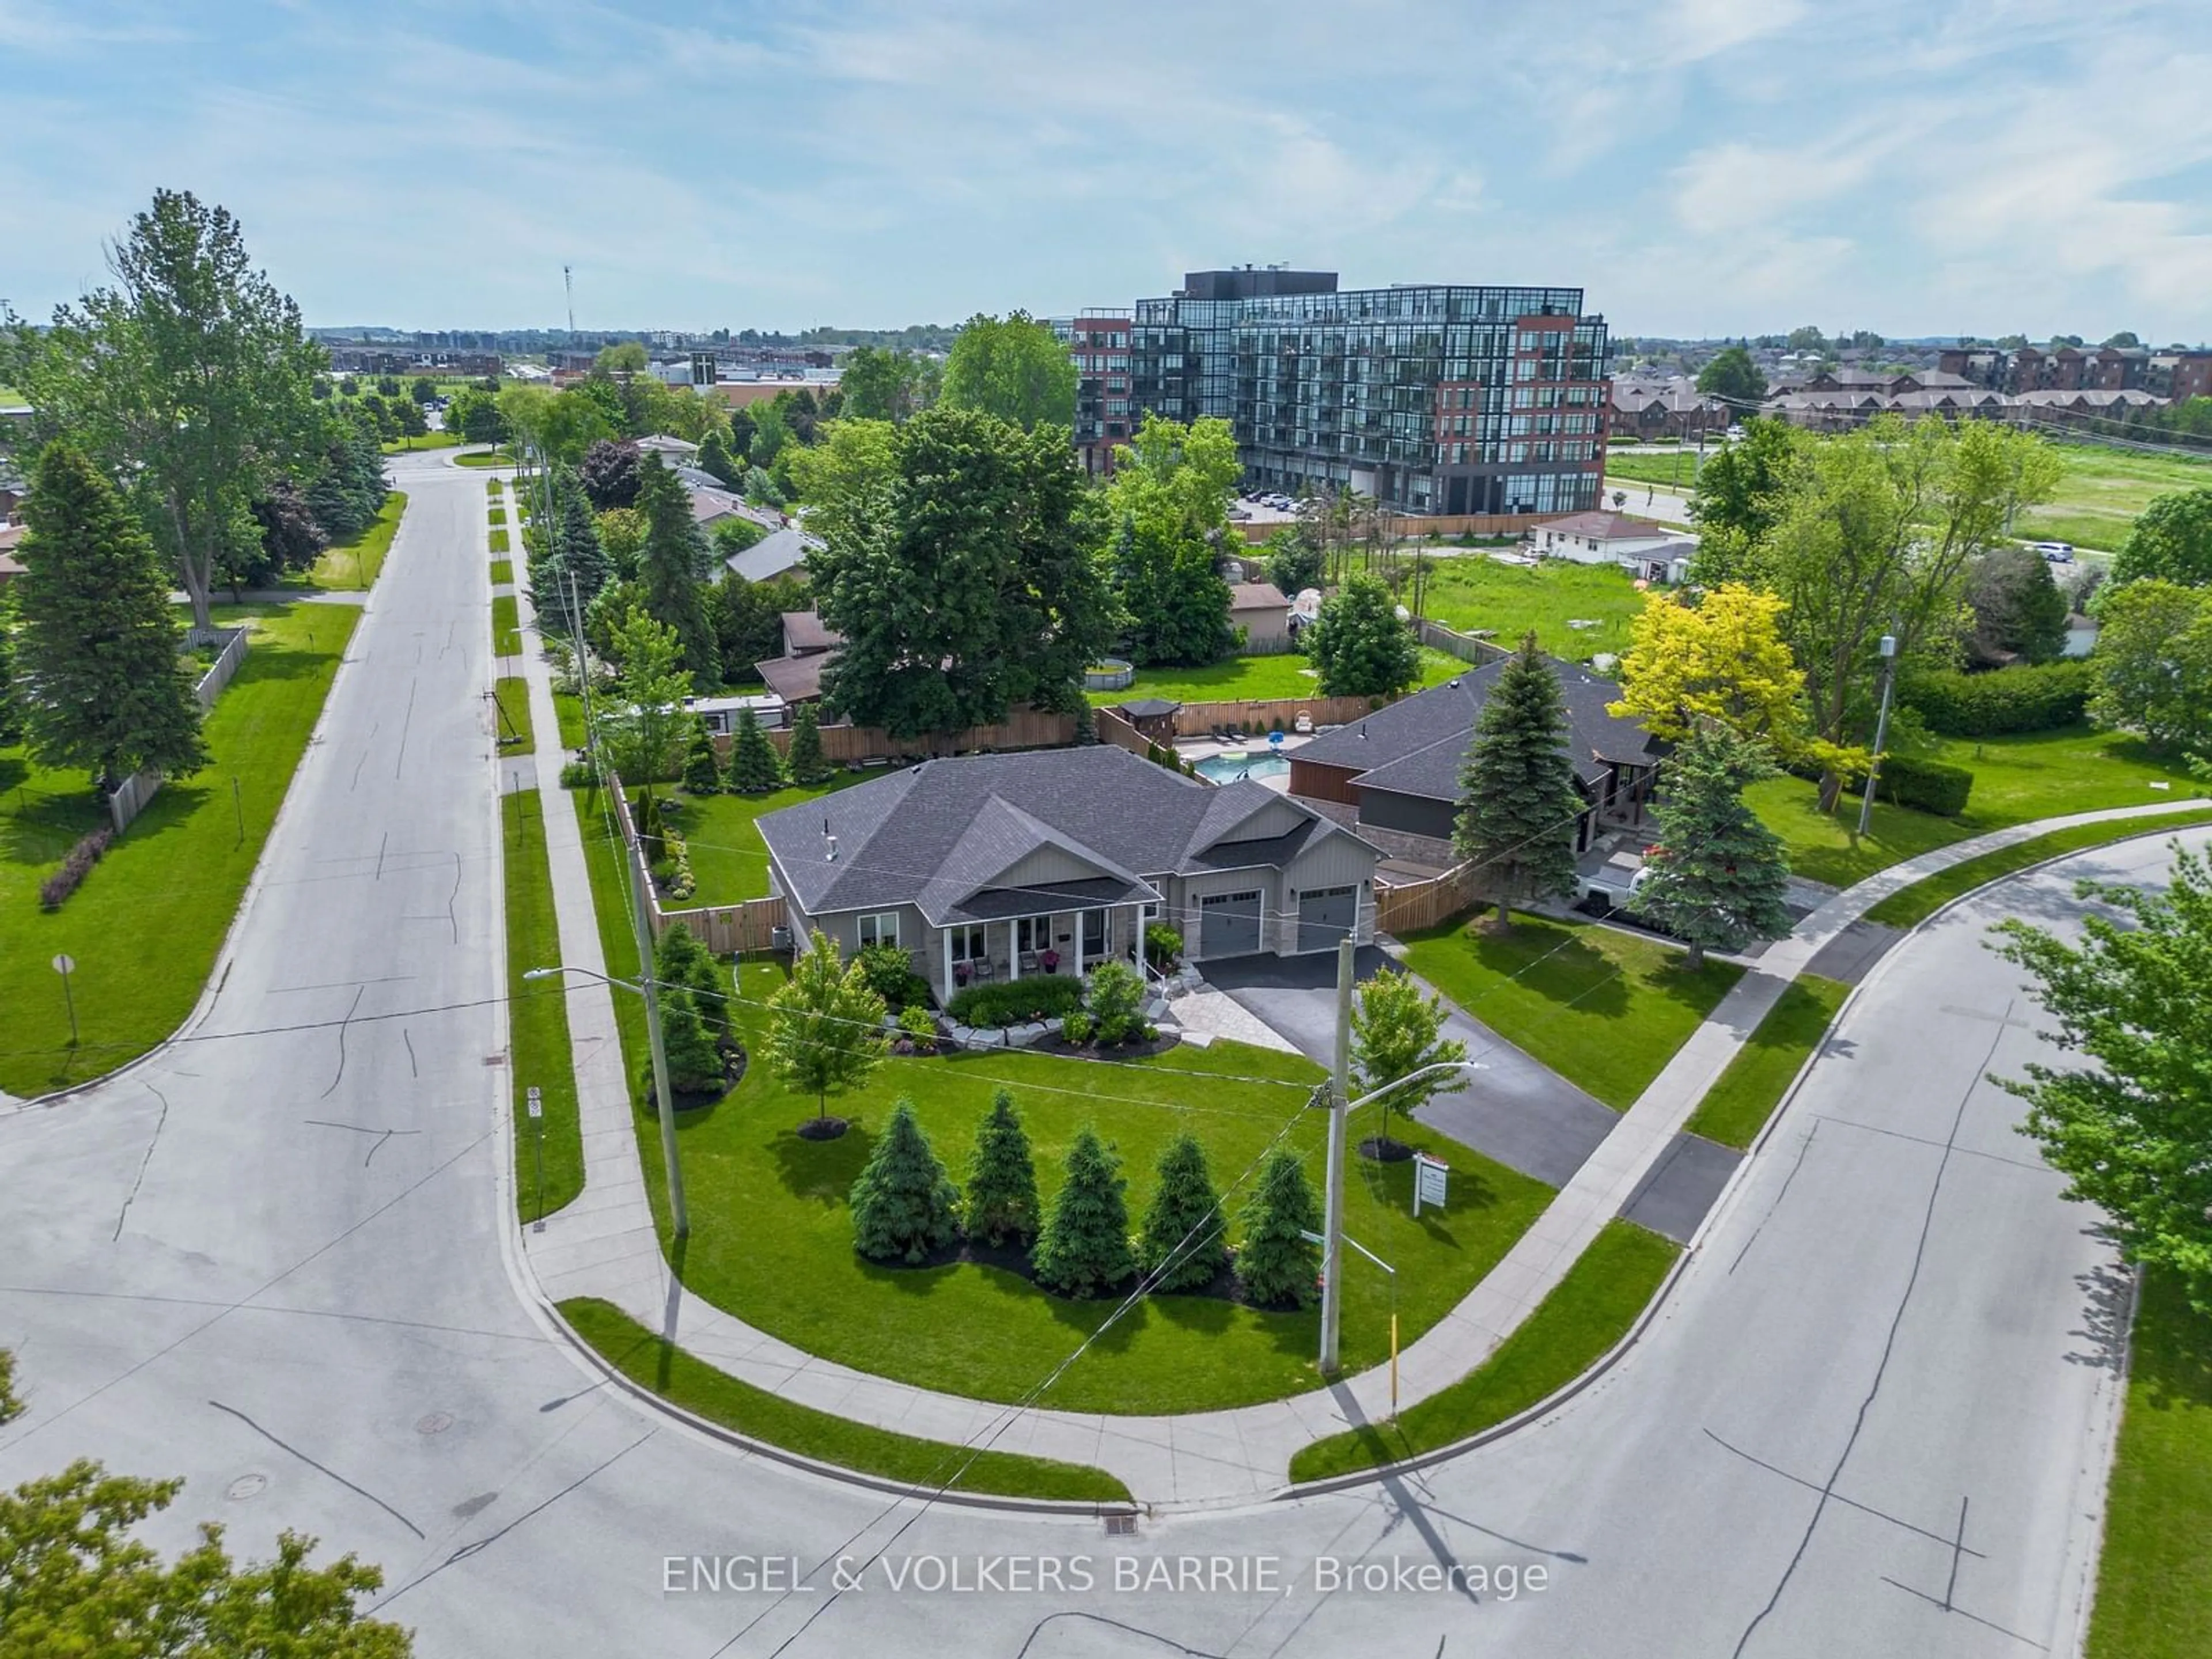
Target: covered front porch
(1013,934)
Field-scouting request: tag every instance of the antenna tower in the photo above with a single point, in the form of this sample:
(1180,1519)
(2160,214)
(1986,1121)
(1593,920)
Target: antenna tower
(568,281)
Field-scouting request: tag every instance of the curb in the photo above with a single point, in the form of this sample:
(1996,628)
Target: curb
(1613,1355)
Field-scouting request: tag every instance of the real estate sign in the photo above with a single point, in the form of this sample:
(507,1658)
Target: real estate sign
(1429,1178)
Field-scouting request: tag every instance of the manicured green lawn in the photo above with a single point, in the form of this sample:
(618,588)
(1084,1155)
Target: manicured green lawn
(771,1237)
(498,543)
(513,694)
(538,1051)
(353,564)
(498,515)
(568,708)
(503,572)
(1570,1330)
(2017,780)
(2102,490)
(1474,591)
(506,627)
(2154,1583)
(727,854)
(484,458)
(1604,1009)
(1925,897)
(174,878)
(1735,1109)
(1252,679)
(493,486)
(428,440)
(1670,468)
(647,1358)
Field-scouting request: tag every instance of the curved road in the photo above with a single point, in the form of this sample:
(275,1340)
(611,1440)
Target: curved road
(277,1259)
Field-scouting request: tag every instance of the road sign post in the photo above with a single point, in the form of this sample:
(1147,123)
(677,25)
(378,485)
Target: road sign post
(65,965)
(537,1105)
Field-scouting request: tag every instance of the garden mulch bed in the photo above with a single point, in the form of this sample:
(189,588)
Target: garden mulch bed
(1015,1260)
(1056,1044)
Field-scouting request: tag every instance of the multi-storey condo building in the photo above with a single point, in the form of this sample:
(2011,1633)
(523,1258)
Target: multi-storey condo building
(1433,398)
(1098,341)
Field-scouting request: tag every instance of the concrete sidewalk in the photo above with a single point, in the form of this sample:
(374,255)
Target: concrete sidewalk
(605,1245)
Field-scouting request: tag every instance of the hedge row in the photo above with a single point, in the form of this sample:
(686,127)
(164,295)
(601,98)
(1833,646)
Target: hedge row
(2039,698)
(75,867)
(1925,786)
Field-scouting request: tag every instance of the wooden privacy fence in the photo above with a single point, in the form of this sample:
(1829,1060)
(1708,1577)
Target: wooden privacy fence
(129,801)
(1121,733)
(1465,646)
(1195,719)
(1416,904)
(727,928)
(1024,728)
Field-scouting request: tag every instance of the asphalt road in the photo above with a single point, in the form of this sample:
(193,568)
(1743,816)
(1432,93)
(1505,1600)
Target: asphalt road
(275,1261)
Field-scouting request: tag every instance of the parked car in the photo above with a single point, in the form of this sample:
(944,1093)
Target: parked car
(1617,882)
(2056,552)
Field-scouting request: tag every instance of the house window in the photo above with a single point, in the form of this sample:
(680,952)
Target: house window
(1033,933)
(966,942)
(882,928)
(1094,934)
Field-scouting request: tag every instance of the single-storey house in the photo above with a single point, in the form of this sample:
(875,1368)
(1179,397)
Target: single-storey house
(711,507)
(1399,768)
(979,866)
(1641,545)
(808,646)
(668,446)
(1259,612)
(775,554)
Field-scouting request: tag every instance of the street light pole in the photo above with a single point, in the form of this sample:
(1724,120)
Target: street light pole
(1880,729)
(1339,1096)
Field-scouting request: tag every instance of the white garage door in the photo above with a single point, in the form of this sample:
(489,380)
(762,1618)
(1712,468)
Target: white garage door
(1326,916)
(1229,924)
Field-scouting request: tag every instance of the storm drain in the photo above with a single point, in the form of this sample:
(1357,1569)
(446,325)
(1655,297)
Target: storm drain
(435,1423)
(246,1487)
(1122,1526)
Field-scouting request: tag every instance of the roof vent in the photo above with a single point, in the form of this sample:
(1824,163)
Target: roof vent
(832,851)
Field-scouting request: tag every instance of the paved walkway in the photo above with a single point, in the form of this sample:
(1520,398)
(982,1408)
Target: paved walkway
(604,1243)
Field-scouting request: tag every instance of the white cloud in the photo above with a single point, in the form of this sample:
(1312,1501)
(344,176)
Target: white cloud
(1734,187)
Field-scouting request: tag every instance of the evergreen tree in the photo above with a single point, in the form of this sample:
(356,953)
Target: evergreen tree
(1084,1248)
(674,558)
(577,558)
(715,457)
(809,766)
(1184,1243)
(703,767)
(1718,874)
(11,702)
(695,1059)
(97,647)
(1518,801)
(682,959)
(1002,1193)
(1278,1265)
(755,767)
(904,1205)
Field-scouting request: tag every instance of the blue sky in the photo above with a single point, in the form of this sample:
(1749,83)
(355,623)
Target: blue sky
(1698,166)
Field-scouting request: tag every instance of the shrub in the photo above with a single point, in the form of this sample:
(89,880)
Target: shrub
(2039,698)
(672,869)
(1162,946)
(1925,786)
(75,867)
(889,972)
(1014,1001)
(579,774)
(1076,1027)
(904,1205)
(703,767)
(917,1025)
(1002,1194)
(1113,997)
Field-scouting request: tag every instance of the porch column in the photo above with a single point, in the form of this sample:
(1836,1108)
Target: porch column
(1013,948)
(946,937)
(1077,931)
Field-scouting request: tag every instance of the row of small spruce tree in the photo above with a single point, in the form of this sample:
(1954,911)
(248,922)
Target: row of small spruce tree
(755,767)
(906,1208)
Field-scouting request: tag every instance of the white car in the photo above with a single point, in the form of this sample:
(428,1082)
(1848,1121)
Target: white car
(2056,552)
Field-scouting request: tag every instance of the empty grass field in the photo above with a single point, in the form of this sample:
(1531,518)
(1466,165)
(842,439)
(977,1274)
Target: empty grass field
(1284,675)
(2101,491)
(1475,593)
(506,626)
(175,876)
(353,564)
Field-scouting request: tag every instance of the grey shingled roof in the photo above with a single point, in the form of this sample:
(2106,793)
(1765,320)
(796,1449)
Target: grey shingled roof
(773,554)
(937,834)
(1415,747)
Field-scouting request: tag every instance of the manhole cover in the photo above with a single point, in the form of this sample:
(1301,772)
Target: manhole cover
(247,1485)
(435,1423)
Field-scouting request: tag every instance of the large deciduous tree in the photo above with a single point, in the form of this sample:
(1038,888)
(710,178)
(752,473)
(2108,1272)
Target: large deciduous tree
(1719,875)
(1169,503)
(977,589)
(2172,539)
(97,648)
(608,471)
(1395,1033)
(1721,659)
(1359,646)
(1014,367)
(2129,1128)
(2018,610)
(1877,530)
(825,1026)
(1734,379)
(2153,664)
(882,384)
(1518,799)
(189,380)
(1739,496)
(644,734)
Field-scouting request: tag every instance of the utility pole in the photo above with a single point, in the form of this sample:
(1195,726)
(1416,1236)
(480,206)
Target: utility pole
(568,282)
(1339,1096)
(1880,729)
(677,1214)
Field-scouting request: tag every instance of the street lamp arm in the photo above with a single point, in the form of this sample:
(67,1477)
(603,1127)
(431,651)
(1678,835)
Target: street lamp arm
(1375,1094)
(588,973)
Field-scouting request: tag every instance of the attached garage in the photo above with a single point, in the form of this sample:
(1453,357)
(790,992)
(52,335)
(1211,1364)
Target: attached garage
(1326,915)
(1229,924)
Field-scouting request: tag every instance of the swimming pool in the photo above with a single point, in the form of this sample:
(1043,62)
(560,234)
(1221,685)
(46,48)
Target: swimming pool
(1237,763)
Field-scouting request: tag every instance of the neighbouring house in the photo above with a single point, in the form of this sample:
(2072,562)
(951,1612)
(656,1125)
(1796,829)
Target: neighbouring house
(979,865)
(1154,717)
(711,507)
(668,447)
(776,554)
(1261,615)
(808,647)
(11,538)
(1395,775)
(1641,545)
